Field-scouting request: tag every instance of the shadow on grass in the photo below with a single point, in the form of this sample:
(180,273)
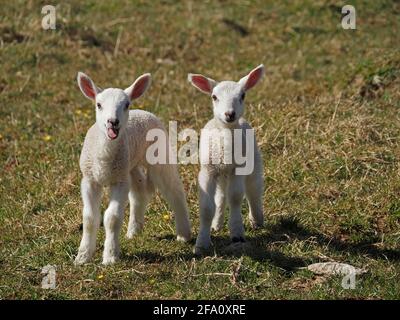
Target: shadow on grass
(285,230)
(291,228)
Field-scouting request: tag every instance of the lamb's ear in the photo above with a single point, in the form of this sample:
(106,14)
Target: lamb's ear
(139,87)
(252,78)
(87,86)
(204,84)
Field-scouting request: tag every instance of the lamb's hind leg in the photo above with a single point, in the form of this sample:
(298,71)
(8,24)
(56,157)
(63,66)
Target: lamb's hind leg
(140,193)
(165,177)
(91,196)
(254,191)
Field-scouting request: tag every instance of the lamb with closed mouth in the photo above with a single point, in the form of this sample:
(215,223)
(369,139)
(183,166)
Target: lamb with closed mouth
(219,182)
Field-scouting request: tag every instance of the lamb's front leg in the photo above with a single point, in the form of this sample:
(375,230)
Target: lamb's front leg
(218,220)
(91,196)
(235,198)
(113,218)
(207,185)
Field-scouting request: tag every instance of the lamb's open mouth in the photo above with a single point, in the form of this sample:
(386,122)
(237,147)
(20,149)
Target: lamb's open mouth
(112,132)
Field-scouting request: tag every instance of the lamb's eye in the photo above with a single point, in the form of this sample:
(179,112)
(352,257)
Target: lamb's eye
(242,96)
(127,105)
(214,97)
(98,106)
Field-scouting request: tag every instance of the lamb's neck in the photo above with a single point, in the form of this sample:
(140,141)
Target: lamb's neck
(108,149)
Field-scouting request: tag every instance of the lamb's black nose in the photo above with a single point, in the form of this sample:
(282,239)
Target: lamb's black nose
(113,122)
(230,116)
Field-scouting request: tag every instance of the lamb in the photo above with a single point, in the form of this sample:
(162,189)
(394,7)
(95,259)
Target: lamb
(219,181)
(114,155)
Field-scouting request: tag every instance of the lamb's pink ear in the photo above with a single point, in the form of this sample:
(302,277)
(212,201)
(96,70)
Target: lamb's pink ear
(204,84)
(139,87)
(252,78)
(87,86)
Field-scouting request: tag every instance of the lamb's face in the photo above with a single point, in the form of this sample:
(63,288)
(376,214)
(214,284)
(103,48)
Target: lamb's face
(112,105)
(112,112)
(227,96)
(228,101)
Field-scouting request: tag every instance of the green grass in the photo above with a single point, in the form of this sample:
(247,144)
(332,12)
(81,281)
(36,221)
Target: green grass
(328,133)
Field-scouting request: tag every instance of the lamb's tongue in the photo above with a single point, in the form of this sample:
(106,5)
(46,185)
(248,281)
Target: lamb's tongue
(111,133)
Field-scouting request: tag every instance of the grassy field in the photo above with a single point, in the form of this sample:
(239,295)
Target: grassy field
(326,117)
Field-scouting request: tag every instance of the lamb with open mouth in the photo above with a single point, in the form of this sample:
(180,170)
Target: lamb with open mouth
(114,156)
(112,132)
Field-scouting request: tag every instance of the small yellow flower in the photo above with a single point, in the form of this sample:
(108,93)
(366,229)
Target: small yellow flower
(78,112)
(47,138)
(152,281)
(166,217)
(1,136)
(100,276)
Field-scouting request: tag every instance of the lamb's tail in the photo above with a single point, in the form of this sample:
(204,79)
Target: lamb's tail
(166,178)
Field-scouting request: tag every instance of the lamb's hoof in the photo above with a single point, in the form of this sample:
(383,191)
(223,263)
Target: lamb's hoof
(216,227)
(136,230)
(82,258)
(110,260)
(184,238)
(256,225)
